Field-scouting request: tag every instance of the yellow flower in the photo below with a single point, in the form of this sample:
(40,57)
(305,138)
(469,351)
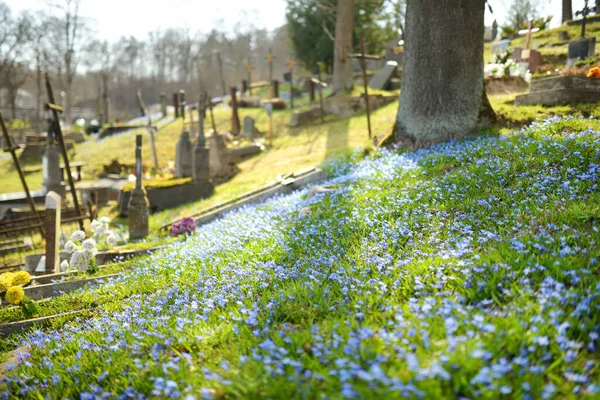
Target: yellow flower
(21,278)
(6,281)
(14,295)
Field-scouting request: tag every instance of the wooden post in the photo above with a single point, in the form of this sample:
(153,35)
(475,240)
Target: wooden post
(53,209)
(235,118)
(274,88)
(311,91)
(182,103)
(10,148)
(269,109)
(54,108)
(249,70)
(270,61)
(321,96)
(291,67)
(176,104)
(212,116)
(220,63)
(244,86)
(150,129)
(362,57)
(163,105)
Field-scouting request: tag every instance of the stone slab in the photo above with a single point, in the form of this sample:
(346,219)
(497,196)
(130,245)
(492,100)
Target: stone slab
(382,79)
(302,117)
(561,90)
(169,197)
(241,153)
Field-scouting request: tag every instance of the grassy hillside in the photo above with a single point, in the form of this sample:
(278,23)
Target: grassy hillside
(553,50)
(468,270)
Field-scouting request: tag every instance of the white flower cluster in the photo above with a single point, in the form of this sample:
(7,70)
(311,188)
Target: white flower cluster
(82,252)
(101,230)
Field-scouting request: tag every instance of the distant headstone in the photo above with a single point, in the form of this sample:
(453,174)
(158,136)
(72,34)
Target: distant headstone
(183,156)
(138,208)
(249,128)
(201,169)
(563,36)
(500,46)
(533,58)
(382,80)
(580,50)
(163,105)
(52,225)
(51,170)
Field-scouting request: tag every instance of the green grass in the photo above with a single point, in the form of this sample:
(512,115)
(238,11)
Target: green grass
(553,50)
(469,270)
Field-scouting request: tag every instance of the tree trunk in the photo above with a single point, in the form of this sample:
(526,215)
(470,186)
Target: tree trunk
(443,95)
(105,112)
(342,66)
(567,10)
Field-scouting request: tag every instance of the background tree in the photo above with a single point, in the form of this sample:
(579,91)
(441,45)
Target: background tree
(311,26)
(442,93)
(344,29)
(71,31)
(567,10)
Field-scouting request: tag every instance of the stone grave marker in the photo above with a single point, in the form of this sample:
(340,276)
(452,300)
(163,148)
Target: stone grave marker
(163,105)
(138,208)
(51,169)
(580,50)
(52,225)
(532,57)
(222,168)
(500,46)
(201,169)
(249,128)
(183,156)
(382,79)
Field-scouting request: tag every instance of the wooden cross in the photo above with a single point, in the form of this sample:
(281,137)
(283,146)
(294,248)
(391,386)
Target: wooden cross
(55,109)
(527,32)
(270,61)
(10,148)
(584,13)
(362,57)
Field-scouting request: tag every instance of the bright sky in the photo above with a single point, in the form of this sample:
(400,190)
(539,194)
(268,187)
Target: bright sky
(116,18)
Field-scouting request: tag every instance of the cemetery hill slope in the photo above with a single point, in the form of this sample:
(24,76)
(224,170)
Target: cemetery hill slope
(466,270)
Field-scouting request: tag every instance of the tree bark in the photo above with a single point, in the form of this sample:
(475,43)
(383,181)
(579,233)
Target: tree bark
(342,66)
(443,94)
(567,10)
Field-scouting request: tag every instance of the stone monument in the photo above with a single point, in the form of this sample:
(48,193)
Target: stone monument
(183,156)
(200,156)
(138,210)
(51,169)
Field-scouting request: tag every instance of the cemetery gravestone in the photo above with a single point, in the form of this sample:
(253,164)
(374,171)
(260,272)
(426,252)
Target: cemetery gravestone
(183,156)
(163,105)
(51,170)
(580,50)
(381,80)
(500,46)
(200,157)
(222,168)
(249,128)
(138,208)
